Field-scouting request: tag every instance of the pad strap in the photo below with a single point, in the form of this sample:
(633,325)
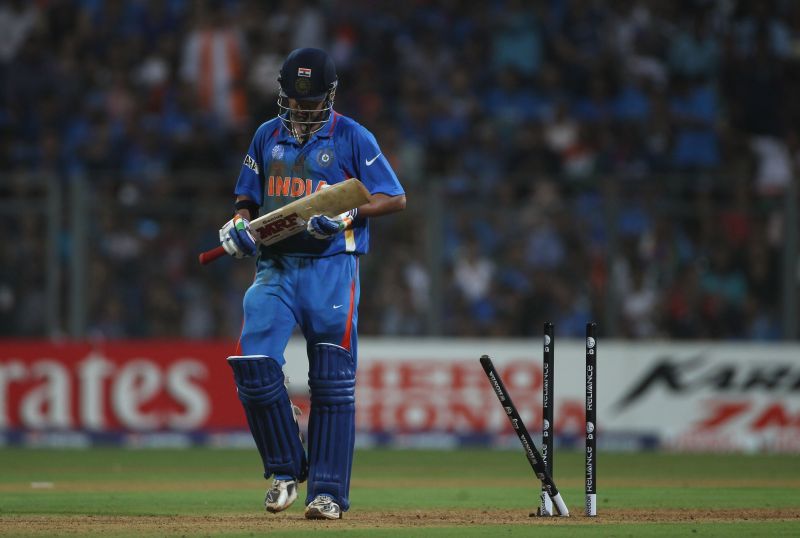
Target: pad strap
(331,425)
(260,383)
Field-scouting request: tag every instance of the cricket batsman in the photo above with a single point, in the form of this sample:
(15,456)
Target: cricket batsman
(308,280)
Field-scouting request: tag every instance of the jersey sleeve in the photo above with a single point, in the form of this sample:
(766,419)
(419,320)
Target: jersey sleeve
(251,179)
(371,166)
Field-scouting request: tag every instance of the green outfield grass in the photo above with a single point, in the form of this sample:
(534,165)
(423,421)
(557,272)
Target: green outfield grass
(396,493)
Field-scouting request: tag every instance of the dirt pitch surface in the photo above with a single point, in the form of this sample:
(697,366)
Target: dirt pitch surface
(249,523)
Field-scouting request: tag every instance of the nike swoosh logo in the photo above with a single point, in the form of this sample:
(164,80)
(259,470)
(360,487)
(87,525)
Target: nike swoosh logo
(337,306)
(372,160)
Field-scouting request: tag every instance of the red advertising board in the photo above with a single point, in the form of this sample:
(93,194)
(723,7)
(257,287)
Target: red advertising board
(416,392)
(117,386)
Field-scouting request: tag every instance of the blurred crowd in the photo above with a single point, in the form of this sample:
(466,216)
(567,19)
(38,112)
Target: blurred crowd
(566,160)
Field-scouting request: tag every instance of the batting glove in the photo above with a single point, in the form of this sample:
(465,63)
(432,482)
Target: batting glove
(323,227)
(236,238)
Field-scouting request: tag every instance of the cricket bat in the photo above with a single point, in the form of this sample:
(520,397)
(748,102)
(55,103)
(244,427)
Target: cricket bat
(291,218)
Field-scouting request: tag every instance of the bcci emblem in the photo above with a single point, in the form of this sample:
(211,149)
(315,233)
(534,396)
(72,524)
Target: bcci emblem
(302,85)
(277,152)
(325,157)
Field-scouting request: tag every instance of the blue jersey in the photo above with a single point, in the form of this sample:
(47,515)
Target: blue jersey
(278,170)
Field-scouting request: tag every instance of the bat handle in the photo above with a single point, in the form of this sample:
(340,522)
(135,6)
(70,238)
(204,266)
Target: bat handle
(210,255)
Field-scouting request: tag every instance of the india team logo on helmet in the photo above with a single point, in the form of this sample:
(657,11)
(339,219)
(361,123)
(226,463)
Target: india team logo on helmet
(302,85)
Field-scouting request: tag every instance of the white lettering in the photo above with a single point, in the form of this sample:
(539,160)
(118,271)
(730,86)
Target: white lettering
(136,384)
(92,372)
(529,451)
(189,394)
(9,372)
(48,405)
(497,388)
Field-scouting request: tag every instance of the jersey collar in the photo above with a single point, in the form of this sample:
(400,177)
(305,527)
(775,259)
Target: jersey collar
(326,132)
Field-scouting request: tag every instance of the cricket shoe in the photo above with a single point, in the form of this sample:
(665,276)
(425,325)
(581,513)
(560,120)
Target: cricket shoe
(281,495)
(323,507)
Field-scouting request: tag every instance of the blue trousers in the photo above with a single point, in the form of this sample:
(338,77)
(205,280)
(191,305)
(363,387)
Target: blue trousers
(318,294)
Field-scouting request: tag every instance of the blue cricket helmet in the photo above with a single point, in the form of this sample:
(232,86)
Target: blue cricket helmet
(307,75)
